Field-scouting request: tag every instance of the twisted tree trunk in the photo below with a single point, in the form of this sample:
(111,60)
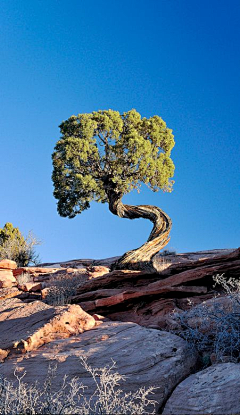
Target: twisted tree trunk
(142,258)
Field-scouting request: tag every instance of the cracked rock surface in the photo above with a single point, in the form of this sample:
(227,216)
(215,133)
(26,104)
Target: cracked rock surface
(147,357)
(215,390)
(26,327)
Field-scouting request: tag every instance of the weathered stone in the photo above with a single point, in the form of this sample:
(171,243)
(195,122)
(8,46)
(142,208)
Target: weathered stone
(25,327)
(8,264)
(30,286)
(171,258)
(45,293)
(34,271)
(149,298)
(146,357)
(9,292)
(97,271)
(7,279)
(215,390)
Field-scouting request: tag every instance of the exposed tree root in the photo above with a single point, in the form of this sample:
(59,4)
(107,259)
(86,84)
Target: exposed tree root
(142,258)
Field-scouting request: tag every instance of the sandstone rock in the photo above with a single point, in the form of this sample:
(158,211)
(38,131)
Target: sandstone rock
(215,390)
(53,266)
(187,257)
(147,357)
(71,270)
(9,292)
(8,264)
(30,286)
(7,279)
(97,271)
(60,274)
(149,298)
(25,327)
(227,263)
(3,355)
(34,271)
(45,293)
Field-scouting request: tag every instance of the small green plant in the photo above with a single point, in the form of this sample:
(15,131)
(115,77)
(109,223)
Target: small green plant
(20,398)
(14,246)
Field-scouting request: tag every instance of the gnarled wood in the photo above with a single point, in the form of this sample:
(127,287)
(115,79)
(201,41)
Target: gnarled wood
(141,258)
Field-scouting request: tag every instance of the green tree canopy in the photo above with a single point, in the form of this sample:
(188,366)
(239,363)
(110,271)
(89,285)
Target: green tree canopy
(104,152)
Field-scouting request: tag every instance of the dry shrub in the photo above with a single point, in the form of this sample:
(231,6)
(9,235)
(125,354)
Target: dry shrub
(20,398)
(213,327)
(64,288)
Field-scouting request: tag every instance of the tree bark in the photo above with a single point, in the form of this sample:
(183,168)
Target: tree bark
(142,258)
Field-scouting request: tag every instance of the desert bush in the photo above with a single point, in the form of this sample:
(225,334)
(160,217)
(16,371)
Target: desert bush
(14,246)
(63,289)
(213,327)
(20,398)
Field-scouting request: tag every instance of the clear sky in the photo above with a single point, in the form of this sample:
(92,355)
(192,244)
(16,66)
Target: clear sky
(176,59)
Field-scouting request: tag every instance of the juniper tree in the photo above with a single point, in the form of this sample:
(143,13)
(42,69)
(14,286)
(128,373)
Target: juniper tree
(102,156)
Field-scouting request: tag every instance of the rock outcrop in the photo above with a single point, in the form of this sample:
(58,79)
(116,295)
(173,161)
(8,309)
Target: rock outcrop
(7,280)
(33,333)
(8,264)
(215,390)
(26,327)
(149,298)
(146,357)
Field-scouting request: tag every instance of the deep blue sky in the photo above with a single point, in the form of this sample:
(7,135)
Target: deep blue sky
(176,59)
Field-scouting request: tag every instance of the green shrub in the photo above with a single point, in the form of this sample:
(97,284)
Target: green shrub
(14,246)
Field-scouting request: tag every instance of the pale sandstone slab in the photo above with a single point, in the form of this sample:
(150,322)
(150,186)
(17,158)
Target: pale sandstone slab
(8,264)
(7,279)
(215,390)
(147,357)
(26,327)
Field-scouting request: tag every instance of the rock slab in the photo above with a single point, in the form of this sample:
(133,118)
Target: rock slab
(146,357)
(8,264)
(26,327)
(7,279)
(215,390)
